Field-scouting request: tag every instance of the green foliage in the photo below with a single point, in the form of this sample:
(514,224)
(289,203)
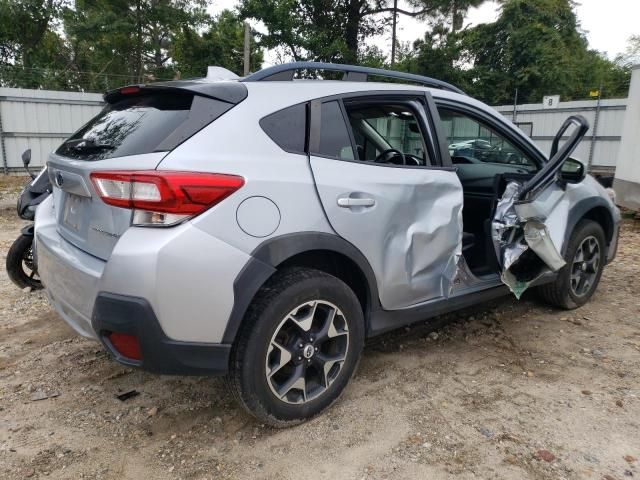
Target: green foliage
(222,45)
(446,12)
(632,54)
(97,45)
(330,30)
(436,56)
(535,46)
(320,30)
(28,37)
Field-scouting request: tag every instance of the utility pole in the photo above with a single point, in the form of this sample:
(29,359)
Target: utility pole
(3,147)
(247,49)
(515,107)
(595,128)
(393,32)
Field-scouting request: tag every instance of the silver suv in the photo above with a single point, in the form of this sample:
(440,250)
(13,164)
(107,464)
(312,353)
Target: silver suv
(264,227)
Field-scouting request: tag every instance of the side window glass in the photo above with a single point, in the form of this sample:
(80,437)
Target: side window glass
(387,133)
(287,128)
(334,136)
(472,142)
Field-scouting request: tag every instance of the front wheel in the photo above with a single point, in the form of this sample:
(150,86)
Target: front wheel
(299,346)
(21,266)
(579,278)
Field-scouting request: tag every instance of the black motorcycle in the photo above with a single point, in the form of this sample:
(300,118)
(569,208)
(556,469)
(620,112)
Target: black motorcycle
(21,264)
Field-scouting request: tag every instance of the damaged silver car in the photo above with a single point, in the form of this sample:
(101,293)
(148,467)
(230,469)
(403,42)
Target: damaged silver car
(263,227)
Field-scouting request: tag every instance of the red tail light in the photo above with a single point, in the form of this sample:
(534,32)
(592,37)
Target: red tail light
(129,90)
(164,197)
(126,345)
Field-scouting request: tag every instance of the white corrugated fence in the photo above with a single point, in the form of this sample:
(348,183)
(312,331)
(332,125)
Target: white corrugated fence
(542,124)
(40,120)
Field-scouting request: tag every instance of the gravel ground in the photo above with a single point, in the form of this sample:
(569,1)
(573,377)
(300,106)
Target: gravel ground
(510,389)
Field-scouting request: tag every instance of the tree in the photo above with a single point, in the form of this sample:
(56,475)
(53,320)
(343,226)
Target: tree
(28,38)
(325,30)
(437,55)
(222,44)
(446,12)
(131,38)
(631,56)
(537,47)
(102,44)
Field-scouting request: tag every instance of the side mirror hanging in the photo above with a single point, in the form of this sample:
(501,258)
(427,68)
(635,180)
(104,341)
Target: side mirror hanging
(26,157)
(572,171)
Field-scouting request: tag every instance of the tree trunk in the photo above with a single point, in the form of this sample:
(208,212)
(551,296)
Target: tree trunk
(138,71)
(457,16)
(354,17)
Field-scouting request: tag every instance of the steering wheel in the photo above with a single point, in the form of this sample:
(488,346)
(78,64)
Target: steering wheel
(384,156)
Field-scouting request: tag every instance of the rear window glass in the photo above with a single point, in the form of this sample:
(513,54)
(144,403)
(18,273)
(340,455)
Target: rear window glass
(288,128)
(142,124)
(334,136)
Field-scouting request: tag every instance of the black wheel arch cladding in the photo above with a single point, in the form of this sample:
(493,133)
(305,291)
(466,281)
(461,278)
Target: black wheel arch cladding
(593,208)
(274,252)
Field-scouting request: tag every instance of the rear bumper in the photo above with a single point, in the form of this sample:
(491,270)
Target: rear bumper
(185,274)
(70,276)
(72,280)
(160,354)
(173,286)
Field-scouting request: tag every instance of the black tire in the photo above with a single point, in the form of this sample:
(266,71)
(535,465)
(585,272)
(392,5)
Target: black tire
(280,296)
(19,262)
(560,293)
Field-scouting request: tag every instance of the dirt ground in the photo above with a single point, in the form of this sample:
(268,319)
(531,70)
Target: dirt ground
(511,390)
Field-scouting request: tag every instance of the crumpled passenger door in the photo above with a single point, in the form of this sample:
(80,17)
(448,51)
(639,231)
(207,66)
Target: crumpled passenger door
(530,218)
(406,220)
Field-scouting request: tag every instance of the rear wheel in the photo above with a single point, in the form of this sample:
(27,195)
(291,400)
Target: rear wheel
(579,278)
(21,266)
(299,346)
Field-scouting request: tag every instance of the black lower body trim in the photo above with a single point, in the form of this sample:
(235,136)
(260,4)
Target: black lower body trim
(613,246)
(385,320)
(160,354)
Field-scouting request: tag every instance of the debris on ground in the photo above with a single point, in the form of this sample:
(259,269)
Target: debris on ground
(124,396)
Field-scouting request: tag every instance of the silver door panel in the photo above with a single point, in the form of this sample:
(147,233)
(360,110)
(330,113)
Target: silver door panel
(406,221)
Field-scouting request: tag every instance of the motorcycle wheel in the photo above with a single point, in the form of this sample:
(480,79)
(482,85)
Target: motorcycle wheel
(21,266)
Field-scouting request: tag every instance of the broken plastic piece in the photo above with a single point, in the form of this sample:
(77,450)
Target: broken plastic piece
(537,237)
(127,395)
(524,248)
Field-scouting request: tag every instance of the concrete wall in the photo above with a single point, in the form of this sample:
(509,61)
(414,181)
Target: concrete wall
(546,122)
(40,120)
(627,180)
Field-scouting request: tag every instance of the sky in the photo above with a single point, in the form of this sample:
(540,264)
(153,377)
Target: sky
(608,24)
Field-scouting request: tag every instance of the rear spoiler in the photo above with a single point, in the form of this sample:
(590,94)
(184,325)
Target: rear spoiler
(228,92)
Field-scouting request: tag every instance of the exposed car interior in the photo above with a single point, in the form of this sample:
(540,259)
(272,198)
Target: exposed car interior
(390,134)
(482,158)
(386,133)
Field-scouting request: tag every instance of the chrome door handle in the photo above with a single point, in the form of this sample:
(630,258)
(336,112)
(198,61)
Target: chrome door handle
(348,202)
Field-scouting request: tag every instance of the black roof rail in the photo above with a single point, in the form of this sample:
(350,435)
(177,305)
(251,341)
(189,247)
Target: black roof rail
(353,73)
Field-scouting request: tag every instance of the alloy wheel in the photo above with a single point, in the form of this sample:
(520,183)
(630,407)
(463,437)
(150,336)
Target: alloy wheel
(307,351)
(585,266)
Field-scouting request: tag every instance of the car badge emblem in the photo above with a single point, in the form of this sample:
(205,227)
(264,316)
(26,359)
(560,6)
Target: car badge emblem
(308,351)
